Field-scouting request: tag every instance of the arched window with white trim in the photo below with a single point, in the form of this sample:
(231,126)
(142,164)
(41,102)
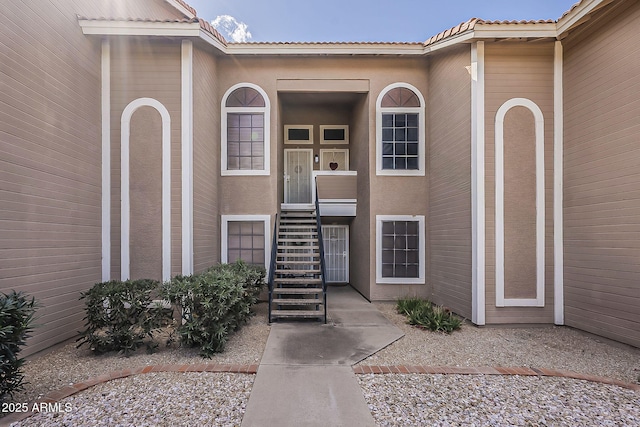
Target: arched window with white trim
(245,131)
(400,130)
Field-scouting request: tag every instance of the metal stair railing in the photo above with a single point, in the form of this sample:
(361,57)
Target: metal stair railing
(272,264)
(323,272)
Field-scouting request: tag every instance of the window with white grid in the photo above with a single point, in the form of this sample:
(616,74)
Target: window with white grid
(400,247)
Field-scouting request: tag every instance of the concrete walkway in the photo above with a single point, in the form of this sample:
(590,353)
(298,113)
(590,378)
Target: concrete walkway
(305,377)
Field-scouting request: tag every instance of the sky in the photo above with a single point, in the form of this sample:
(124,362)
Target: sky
(361,20)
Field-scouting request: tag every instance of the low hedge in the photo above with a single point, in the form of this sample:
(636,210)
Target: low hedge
(214,303)
(16,320)
(121,316)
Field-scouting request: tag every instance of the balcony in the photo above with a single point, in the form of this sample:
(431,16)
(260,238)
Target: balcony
(337,192)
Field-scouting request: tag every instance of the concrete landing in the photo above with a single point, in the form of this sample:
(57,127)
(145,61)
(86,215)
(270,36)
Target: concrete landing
(305,377)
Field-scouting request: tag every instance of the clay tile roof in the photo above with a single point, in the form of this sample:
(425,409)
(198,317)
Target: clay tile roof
(458,29)
(323,43)
(187,6)
(205,25)
(572,8)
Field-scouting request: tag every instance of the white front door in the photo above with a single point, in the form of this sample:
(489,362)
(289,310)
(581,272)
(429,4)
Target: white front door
(335,239)
(298,168)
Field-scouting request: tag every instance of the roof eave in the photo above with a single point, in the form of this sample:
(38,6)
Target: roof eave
(139,28)
(515,31)
(578,13)
(337,49)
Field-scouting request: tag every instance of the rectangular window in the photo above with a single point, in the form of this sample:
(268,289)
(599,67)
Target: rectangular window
(298,134)
(246,242)
(400,141)
(245,141)
(246,238)
(400,249)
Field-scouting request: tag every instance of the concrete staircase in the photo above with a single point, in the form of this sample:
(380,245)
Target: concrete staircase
(297,291)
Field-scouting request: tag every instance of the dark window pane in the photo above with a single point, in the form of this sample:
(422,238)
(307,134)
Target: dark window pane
(401,149)
(387,163)
(387,134)
(387,148)
(412,120)
(412,228)
(387,270)
(412,271)
(400,120)
(412,163)
(387,227)
(334,134)
(387,120)
(412,134)
(401,163)
(387,257)
(299,134)
(400,135)
(412,149)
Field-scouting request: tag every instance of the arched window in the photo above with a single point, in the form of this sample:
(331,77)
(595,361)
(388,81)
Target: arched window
(400,131)
(245,131)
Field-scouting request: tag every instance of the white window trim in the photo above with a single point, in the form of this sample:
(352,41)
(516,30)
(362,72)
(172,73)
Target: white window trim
(266,110)
(421,131)
(420,280)
(224,249)
(538,301)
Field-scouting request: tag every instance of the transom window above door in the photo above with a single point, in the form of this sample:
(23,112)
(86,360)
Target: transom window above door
(400,131)
(245,131)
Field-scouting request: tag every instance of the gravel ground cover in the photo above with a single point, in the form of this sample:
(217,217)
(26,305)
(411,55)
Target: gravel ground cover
(550,347)
(481,400)
(170,398)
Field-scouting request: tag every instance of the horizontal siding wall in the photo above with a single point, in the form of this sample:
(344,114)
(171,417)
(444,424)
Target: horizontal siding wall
(206,161)
(50,156)
(449,168)
(518,70)
(49,165)
(602,176)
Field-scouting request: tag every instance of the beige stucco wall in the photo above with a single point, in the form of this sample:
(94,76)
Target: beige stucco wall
(518,70)
(602,175)
(50,178)
(449,168)
(380,195)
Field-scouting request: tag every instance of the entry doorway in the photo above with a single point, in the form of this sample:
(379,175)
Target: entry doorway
(335,239)
(298,171)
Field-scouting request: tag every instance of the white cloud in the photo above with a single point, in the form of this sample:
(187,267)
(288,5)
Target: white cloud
(231,28)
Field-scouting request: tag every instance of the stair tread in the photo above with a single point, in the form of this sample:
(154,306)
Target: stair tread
(288,271)
(301,280)
(316,262)
(297,291)
(297,313)
(297,301)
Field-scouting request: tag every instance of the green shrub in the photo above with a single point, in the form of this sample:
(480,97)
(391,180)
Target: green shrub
(214,303)
(121,316)
(16,318)
(423,313)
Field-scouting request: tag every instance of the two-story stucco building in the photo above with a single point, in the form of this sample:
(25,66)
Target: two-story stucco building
(494,168)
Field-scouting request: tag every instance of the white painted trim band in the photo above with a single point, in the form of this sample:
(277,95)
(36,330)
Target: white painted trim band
(558,186)
(187,155)
(106,159)
(478,267)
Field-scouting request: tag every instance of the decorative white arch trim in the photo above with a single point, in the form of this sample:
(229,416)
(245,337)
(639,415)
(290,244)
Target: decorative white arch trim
(501,301)
(266,110)
(421,130)
(125,208)
(478,267)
